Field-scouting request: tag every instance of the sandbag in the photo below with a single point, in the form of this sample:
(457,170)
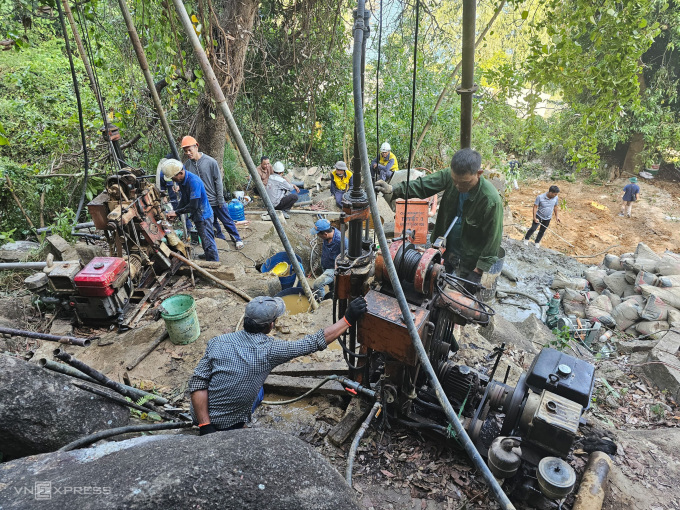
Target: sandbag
(629,291)
(655,309)
(669,264)
(639,299)
(668,281)
(612,262)
(561,281)
(596,278)
(599,310)
(670,296)
(644,278)
(616,282)
(631,275)
(631,330)
(652,329)
(645,252)
(674,317)
(627,313)
(613,298)
(640,265)
(574,308)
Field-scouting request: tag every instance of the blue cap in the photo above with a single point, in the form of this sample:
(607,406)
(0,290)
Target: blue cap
(321,226)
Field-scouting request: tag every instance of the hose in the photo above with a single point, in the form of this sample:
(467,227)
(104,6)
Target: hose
(375,410)
(103,434)
(523,294)
(292,400)
(461,434)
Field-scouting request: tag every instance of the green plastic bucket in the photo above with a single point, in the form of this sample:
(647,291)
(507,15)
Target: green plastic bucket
(181,321)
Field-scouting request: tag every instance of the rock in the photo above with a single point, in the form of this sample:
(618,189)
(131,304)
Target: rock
(386,212)
(535,331)
(60,248)
(87,252)
(42,411)
(501,330)
(608,370)
(248,469)
(61,327)
(255,283)
(663,360)
(221,271)
(18,251)
(298,241)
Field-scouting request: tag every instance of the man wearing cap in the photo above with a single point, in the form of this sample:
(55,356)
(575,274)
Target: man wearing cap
(545,207)
(341,181)
(279,190)
(226,384)
(194,201)
(470,214)
(209,171)
(384,166)
(330,249)
(631,193)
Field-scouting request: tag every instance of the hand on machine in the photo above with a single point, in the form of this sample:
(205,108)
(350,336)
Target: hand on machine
(383,187)
(473,282)
(355,310)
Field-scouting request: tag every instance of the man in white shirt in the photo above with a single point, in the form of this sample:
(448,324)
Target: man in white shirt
(280,190)
(544,209)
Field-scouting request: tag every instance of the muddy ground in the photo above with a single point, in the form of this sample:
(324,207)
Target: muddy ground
(398,468)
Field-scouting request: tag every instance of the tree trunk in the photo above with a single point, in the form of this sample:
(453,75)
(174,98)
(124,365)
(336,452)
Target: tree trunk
(632,160)
(231,24)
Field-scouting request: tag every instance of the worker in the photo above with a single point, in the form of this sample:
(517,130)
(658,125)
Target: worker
(264,169)
(341,181)
(545,207)
(474,240)
(226,384)
(384,166)
(513,170)
(194,201)
(171,189)
(631,193)
(209,171)
(280,191)
(330,249)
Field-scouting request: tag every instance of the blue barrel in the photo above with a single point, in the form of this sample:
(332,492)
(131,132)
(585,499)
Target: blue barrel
(304,196)
(235,208)
(286,281)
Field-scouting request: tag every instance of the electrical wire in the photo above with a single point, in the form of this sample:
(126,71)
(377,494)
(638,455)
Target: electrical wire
(86,159)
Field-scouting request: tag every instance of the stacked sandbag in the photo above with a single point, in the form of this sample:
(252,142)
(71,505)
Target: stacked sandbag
(639,292)
(561,281)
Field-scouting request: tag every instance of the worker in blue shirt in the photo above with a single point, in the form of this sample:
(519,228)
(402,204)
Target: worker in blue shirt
(194,201)
(631,193)
(330,250)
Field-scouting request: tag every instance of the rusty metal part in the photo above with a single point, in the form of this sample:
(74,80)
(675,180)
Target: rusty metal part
(354,214)
(152,346)
(423,277)
(205,273)
(593,486)
(460,304)
(343,285)
(383,329)
(64,339)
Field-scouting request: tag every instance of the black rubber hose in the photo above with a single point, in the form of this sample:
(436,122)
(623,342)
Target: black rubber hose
(461,434)
(103,434)
(86,162)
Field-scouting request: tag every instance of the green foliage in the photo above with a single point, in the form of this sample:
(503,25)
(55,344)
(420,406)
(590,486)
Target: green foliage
(7,237)
(562,338)
(63,223)
(235,177)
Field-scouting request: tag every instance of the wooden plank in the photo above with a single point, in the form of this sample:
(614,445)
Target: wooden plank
(298,385)
(355,414)
(310,369)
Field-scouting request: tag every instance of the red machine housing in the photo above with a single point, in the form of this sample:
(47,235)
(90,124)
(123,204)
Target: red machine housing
(101,277)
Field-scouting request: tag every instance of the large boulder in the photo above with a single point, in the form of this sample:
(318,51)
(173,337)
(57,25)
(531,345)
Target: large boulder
(18,251)
(248,469)
(41,411)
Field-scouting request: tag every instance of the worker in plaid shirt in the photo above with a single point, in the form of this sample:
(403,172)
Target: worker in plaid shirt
(227,382)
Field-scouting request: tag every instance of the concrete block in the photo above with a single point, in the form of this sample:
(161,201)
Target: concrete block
(662,359)
(61,249)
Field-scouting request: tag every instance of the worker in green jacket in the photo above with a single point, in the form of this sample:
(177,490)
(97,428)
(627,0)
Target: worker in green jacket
(473,242)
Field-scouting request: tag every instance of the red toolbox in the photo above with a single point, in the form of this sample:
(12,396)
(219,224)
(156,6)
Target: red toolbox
(101,276)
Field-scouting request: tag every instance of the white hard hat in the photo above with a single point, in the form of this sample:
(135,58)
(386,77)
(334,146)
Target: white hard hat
(279,168)
(385,147)
(171,167)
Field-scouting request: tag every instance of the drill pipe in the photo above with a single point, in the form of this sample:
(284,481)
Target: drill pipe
(81,342)
(593,484)
(72,372)
(451,417)
(99,377)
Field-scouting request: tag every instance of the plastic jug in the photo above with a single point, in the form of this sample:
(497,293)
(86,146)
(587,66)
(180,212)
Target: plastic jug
(236,212)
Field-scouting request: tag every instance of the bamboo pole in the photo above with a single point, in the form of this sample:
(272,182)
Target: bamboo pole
(205,273)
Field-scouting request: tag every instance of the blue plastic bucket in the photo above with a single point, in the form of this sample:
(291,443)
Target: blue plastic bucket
(286,281)
(235,208)
(181,321)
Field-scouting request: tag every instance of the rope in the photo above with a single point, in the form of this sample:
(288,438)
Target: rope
(413,114)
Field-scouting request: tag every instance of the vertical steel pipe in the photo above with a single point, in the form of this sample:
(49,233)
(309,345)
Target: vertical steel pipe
(467,84)
(144,65)
(218,96)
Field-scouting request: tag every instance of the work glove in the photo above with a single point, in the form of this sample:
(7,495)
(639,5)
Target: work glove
(206,429)
(383,187)
(473,282)
(355,310)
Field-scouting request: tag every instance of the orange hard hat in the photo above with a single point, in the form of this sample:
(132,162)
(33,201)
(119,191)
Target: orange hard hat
(188,141)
